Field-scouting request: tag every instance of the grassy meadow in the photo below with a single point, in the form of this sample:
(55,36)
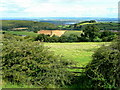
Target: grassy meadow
(77,52)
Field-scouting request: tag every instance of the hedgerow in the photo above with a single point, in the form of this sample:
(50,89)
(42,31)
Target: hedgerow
(104,69)
(26,62)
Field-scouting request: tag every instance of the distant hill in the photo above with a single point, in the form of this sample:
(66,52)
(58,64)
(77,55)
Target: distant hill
(29,25)
(100,25)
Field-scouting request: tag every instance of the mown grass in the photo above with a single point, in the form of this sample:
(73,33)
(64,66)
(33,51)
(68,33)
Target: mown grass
(32,34)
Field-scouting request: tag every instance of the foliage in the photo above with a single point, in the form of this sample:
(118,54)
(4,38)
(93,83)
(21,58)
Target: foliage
(42,38)
(63,38)
(73,38)
(107,36)
(90,32)
(104,69)
(54,38)
(108,26)
(69,36)
(97,39)
(26,62)
(85,37)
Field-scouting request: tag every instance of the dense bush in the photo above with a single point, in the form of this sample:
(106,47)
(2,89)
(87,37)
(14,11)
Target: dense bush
(107,36)
(31,63)
(104,70)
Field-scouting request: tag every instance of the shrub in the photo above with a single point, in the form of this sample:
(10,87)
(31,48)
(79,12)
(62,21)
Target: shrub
(33,64)
(104,70)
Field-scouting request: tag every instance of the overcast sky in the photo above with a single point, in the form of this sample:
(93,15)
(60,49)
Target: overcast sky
(59,8)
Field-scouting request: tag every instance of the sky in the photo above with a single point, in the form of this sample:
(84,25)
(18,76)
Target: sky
(59,8)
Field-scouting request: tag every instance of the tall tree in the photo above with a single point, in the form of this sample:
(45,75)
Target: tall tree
(91,32)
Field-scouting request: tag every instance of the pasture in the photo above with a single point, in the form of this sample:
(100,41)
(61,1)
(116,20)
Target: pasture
(76,52)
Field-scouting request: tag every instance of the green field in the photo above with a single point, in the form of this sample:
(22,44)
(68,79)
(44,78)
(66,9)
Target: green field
(32,34)
(78,52)
(68,33)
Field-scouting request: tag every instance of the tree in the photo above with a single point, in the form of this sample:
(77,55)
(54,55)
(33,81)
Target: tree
(63,39)
(54,38)
(107,35)
(42,38)
(91,32)
(72,38)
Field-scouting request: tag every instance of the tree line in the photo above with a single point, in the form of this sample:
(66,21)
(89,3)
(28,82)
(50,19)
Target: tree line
(91,33)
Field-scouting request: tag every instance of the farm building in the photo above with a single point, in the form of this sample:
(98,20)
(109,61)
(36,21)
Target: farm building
(52,32)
